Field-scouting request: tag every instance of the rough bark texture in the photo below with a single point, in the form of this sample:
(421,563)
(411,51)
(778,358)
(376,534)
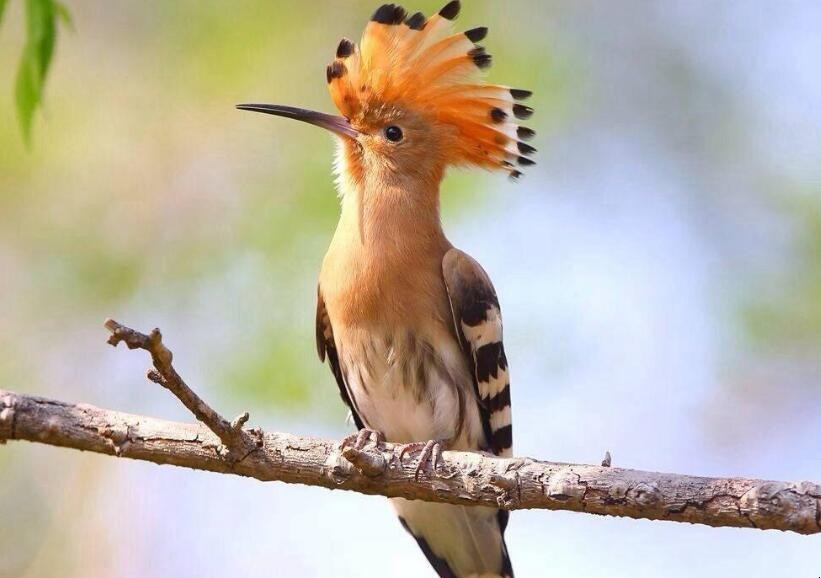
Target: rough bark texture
(218,445)
(461,478)
(236,442)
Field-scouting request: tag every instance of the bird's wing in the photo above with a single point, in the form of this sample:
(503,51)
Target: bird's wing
(478,322)
(326,347)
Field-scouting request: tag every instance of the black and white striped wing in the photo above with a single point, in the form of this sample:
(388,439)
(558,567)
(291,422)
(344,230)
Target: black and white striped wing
(478,323)
(326,347)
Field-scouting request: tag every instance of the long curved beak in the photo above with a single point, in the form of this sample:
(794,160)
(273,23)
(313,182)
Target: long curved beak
(336,124)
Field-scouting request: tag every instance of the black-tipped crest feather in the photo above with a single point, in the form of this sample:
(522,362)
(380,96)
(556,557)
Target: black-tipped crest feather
(521,111)
(416,22)
(476,34)
(389,14)
(525,133)
(345,48)
(525,148)
(480,58)
(451,10)
(335,70)
(520,94)
(498,115)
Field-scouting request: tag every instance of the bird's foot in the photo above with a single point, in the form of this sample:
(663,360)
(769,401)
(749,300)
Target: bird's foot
(360,439)
(429,453)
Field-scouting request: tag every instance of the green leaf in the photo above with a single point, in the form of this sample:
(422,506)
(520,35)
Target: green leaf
(41,31)
(63,14)
(2,9)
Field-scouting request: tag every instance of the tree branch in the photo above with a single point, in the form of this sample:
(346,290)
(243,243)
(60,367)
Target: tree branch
(236,441)
(461,477)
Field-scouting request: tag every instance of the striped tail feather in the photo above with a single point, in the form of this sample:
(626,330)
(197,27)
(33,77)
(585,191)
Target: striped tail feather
(458,541)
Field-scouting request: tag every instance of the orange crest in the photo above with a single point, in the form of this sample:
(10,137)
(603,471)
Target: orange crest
(420,64)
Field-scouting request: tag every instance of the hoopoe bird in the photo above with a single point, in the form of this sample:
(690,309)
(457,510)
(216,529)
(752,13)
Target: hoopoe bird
(409,324)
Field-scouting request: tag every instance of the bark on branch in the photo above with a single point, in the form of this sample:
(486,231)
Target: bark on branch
(236,442)
(461,477)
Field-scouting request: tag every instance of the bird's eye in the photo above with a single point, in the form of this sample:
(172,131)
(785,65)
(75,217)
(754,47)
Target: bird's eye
(393,133)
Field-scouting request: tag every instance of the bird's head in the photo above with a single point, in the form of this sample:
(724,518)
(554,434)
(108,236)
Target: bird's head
(413,101)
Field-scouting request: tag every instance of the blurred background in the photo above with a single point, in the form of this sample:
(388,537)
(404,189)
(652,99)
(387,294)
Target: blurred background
(659,271)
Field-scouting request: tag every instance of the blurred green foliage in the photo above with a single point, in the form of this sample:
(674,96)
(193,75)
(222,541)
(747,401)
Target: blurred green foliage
(786,315)
(41,35)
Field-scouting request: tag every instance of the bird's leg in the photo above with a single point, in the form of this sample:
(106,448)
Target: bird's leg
(430,452)
(359,439)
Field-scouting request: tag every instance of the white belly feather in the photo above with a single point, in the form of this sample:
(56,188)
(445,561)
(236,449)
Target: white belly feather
(412,388)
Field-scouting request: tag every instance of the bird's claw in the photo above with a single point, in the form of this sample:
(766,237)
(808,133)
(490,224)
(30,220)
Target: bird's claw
(430,452)
(360,439)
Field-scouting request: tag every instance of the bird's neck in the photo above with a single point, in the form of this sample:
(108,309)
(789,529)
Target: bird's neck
(390,217)
(385,258)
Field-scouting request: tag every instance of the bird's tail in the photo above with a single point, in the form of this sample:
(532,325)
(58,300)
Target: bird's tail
(458,541)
